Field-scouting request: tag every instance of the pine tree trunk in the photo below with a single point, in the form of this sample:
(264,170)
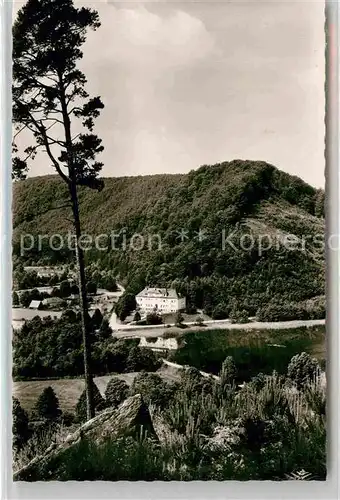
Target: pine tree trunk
(79,253)
(83,304)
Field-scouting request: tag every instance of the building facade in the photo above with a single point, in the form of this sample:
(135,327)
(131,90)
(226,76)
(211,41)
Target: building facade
(162,300)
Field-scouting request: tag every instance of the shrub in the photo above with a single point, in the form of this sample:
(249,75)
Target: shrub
(97,318)
(170,334)
(137,316)
(105,330)
(191,309)
(65,289)
(47,405)
(53,280)
(179,319)
(193,383)
(258,382)
(190,374)
(286,311)
(249,434)
(74,288)
(91,288)
(151,340)
(35,294)
(303,369)
(15,299)
(220,312)
(108,282)
(228,371)
(20,427)
(240,317)
(199,321)
(116,392)
(152,388)
(141,358)
(69,315)
(125,304)
(153,319)
(98,401)
(68,418)
(25,299)
(118,353)
(55,292)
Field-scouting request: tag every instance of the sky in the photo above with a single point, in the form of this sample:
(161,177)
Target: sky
(187,83)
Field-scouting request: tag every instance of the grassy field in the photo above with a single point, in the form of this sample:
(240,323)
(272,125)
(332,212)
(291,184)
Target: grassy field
(68,390)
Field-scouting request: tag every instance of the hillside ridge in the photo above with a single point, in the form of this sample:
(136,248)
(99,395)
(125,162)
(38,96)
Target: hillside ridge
(251,199)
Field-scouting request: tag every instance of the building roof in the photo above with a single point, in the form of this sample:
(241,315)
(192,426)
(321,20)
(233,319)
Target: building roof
(158,293)
(35,304)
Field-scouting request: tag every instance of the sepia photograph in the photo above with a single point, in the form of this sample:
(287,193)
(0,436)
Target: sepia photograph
(168,250)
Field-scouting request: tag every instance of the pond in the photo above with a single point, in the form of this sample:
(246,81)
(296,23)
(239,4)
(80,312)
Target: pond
(253,351)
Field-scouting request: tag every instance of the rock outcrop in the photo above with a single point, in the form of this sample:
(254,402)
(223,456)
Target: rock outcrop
(131,418)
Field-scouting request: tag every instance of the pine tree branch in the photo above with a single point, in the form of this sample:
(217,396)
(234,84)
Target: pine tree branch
(56,120)
(49,152)
(19,131)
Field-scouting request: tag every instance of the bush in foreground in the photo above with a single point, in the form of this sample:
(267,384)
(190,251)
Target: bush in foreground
(303,369)
(152,388)
(99,403)
(250,434)
(116,392)
(228,371)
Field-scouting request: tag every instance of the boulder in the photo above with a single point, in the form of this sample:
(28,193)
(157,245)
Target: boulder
(131,418)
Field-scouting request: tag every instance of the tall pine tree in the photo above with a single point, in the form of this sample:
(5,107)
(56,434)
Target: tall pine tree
(50,100)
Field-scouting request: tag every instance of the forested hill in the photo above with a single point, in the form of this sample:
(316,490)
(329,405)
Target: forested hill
(192,215)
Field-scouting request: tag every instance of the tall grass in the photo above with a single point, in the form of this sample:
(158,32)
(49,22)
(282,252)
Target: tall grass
(271,432)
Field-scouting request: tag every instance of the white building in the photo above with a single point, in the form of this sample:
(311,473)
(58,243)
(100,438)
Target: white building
(161,299)
(35,304)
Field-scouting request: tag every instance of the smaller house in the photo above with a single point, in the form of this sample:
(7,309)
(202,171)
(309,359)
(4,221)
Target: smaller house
(35,304)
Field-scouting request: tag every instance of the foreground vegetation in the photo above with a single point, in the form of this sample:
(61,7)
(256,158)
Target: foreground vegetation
(273,428)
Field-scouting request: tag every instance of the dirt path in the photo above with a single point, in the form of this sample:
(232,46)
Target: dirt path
(156,331)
